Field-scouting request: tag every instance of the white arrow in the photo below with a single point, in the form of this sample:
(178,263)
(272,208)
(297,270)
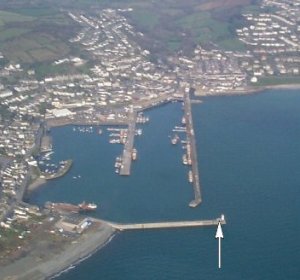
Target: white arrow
(219,234)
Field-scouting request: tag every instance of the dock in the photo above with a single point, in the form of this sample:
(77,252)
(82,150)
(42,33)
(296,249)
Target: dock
(193,152)
(169,225)
(127,152)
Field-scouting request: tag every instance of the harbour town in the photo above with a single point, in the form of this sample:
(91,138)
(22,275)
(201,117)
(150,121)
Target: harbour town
(69,221)
(113,83)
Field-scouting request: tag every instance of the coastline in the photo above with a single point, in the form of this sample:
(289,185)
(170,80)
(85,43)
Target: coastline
(55,263)
(85,245)
(250,90)
(287,86)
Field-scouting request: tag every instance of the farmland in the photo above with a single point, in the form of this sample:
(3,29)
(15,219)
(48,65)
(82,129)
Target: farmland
(33,35)
(38,32)
(36,47)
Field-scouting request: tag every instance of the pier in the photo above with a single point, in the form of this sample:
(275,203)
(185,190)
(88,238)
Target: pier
(193,152)
(168,225)
(127,152)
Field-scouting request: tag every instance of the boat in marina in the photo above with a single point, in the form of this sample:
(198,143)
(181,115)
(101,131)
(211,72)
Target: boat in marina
(175,139)
(134,154)
(190,176)
(71,208)
(184,159)
(84,207)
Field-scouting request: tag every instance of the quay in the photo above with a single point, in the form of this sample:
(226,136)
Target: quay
(46,144)
(193,152)
(168,225)
(127,152)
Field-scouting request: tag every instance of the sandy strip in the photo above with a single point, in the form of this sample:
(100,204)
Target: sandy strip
(31,268)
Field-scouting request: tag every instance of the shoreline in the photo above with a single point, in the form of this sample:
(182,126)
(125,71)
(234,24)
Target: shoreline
(86,245)
(250,90)
(54,263)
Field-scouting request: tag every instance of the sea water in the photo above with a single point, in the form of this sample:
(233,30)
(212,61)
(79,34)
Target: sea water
(248,151)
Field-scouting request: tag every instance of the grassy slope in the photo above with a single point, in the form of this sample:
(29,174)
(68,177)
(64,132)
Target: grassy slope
(169,25)
(181,25)
(30,35)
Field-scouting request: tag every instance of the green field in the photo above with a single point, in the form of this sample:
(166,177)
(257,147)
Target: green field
(174,44)
(36,11)
(204,28)
(34,34)
(175,25)
(145,19)
(8,17)
(168,25)
(10,33)
(33,48)
(233,44)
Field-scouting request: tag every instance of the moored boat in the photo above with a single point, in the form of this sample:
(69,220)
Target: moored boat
(134,154)
(87,206)
(190,176)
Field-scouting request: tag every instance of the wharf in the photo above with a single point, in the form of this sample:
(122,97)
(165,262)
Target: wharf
(46,144)
(168,225)
(127,152)
(193,152)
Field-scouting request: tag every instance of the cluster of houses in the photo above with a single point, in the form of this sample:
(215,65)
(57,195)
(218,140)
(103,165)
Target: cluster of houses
(13,180)
(273,39)
(211,71)
(17,142)
(121,77)
(18,138)
(122,71)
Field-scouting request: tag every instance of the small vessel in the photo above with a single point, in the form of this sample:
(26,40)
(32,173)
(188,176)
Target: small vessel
(134,154)
(183,120)
(190,176)
(175,139)
(87,206)
(114,141)
(100,131)
(184,159)
(114,134)
(62,207)
(179,129)
(139,132)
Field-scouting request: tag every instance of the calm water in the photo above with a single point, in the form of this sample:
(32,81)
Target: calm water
(249,151)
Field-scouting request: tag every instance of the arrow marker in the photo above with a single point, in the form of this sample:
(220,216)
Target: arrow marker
(219,234)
